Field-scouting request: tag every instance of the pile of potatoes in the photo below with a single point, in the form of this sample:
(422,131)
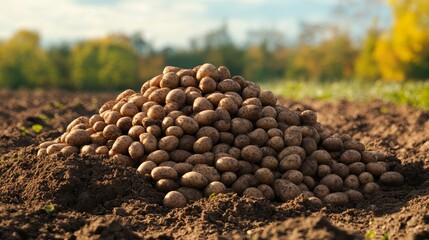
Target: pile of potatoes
(198,132)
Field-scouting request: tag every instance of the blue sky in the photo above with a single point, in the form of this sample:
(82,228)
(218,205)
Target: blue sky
(162,22)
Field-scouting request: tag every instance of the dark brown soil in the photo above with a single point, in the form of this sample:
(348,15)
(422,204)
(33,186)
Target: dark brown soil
(88,197)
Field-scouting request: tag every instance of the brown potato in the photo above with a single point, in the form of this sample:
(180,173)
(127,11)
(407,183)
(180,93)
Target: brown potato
(290,162)
(354,145)
(137,119)
(57,147)
(106,106)
(308,117)
(136,150)
(87,149)
(251,91)
(264,176)
(276,143)
(124,124)
(182,168)
(98,138)
(149,142)
(292,150)
(234,152)
(251,153)
(189,125)
(190,194)
(243,182)
(174,199)
(99,126)
(338,198)
(123,160)
(292,137)
(102,150)
(166,185)
(206,117)
(357,168)
(138,100)
(193,180)
(210,132)
(333,182)
(392,178)
(321,191)
(228,178)
(270,162)
(129,109)
(159,95)
(215,98)
(214,187)
(253,192)
(240,126)
(266,123)
(354,196)
(351,182)
(78,138)
(293,176)
(340,169)
(207,70)
(207,85)
(187,142)
(174,131)
(199,159)
(309,145)
(258,137)
(309,182)
(155,130)
(202,145)
(135,132)
(376,169)
(177,96)
(188,81)
(226,164)
(166,123)
(250,112)
(350,156)
(323,170)
(289,117)
(168,143)
(158,156)
(156,112)
(368,156)
(267,191)
(209,172)
(121,144)
(371,188)
(163,172)
(365,178)
(267,98)
(201,104)
(125,94)
(241,141)
(228,85)
(79,120)
(229,105)
(169,80)
(286,190)
(179,155)
(332,144)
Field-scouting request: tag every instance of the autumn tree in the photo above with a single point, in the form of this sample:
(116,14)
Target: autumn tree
(366,66)
(24,63)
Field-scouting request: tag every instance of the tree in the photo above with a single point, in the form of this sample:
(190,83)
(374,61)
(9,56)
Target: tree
(366,65)
(403,51)
(24,63)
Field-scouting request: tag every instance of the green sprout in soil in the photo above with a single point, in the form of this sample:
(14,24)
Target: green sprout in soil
(23,130)
(58,105)
(371,235)
(49,209)
(45,118)
(37,128)
(212,196)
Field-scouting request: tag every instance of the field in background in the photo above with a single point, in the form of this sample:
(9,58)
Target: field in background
(413,93)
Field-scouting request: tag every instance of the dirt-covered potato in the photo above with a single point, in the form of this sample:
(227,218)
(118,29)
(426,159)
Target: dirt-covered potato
(368,156)
(321,191)
(292,137)
(234,152)
(354,145)
(215,98)
(207,70)
(125,94)
(102,150)
(250,112)
(309,145)
(111,132)
(215,187)
(243,182)
(174,131)
(251,91)
(337,198)
(351,182)
(136,150)
(206,117)
(258,137)
(289,117)
(286,190)
(292,150)
(193,180)
(228,178)
(376,169)
(251,153)
(332,144)
(276,143)
(293,176)
(392,178)
(333,182)
(266,123)
(169,80)
(168,143)
(166,185)
(267,191)
(189,125)
(365,178)
(350,156)
(122,160)
(78,137)
(226,164)
(340,169)
(79,120)
(264,176)
(228,104)
(163,172)
(290,162)
(309,182)
(57,147)
(308,117)
(371,188)
(323,170)
(129,109)
(357,168)
(182,168)
(267,98)
(354,195)
(202,145)
(174,199)
(253,192)
(228,85)
(269,162)
(207,85)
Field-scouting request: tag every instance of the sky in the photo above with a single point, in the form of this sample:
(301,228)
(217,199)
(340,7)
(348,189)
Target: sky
(163,23)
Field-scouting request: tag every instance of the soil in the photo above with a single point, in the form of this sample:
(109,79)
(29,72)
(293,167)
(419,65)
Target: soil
(89,197)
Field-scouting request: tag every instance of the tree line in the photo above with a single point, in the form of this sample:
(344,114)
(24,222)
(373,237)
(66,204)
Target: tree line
(322,52)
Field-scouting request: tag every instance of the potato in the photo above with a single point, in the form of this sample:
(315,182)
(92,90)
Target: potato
(223,113)
(87,149)
(77,121)
(146,167)
(124,124)
(138,100)
(365,178)
(338,199)
(340,169)
(368,156)
(111,117)
(207,70)
(182,168)
(208,85)
(269,162)
(99,126)
(250,112)
(125,94)
(292,137)
(137,119)
(309,145)
(357,168)
(354,196)
(309,182)
(94,118)
(304,188)
(354,145)
(174,131)
(251,91)
(221,148)
(267,98)
(228,104)
(371,188)
(189,125)
(174,199)
(78,138)
(264,176)
(123,160)
(292,150)
(188,81)
(209,172)
(201,104)
(293,176)
(187,142)
(215,98)
(102,150)
(323,170)
(129,109)
(252,101)
(234,152)
(241,141)
(206,117)
(350,156)
(258,137)
(332,144)
(198,159)
(98,138)
(210,132)
(351,182)
(243,182)
(203,144)
(63,148)
(266,123)
(290,162)
(169,80)
(286,190)
(308,117)
(156,112)
(276,143)
(321,191)
(228,85)
(222,125)
(267,191)
(190,194)
(179,155)
(135,132)
(214,187)
(223,73)
(111,132)
(163,172)
(155,130)
(333,182)
(106,106)
(226,164)
(168,143)
(244,167)
(251,153)
(158,156)
(193,180)
(159,95)
(392,178)
(121,144)
(228,178)
(166,185)
(136,150)
(253,192)
(376,169)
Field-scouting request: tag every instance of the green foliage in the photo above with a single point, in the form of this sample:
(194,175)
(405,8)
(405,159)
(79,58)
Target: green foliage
(37,128)
(49,209)
(366,65)
(23,130)
(212,196)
